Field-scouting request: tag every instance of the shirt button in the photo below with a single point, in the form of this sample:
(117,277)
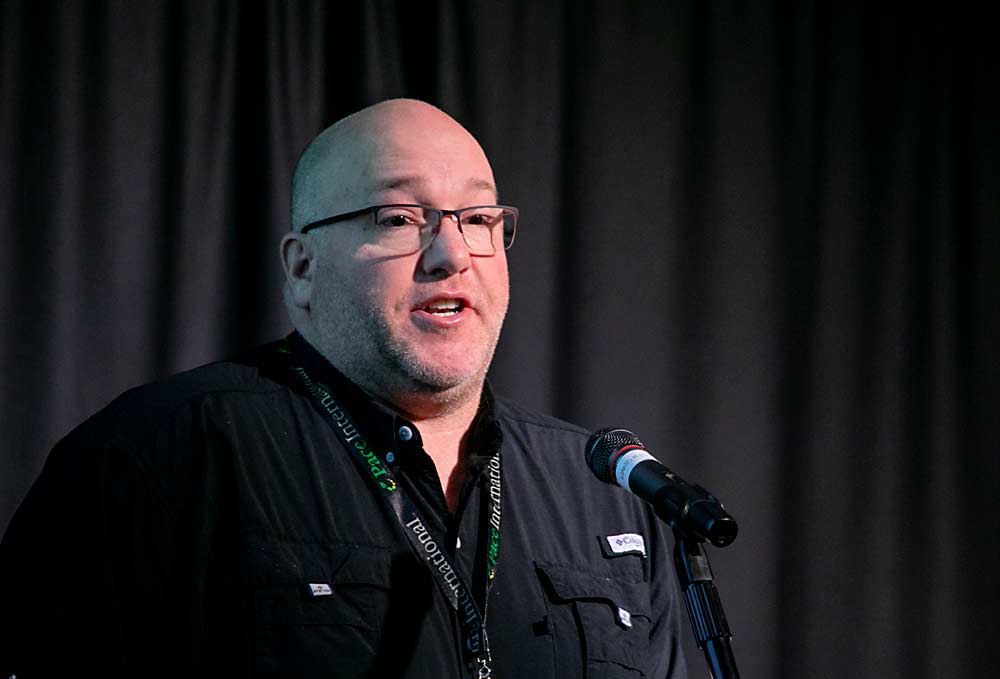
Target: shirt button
(405,433)
(390,457)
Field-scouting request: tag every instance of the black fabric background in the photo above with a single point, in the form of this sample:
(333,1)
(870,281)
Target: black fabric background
(762,235)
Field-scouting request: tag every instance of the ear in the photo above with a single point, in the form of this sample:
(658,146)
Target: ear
(298,260)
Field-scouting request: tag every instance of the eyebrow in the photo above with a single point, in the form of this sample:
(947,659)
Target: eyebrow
(411,181)
(483,185)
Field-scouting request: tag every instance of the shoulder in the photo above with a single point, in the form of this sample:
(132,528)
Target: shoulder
(547,447)
(518,417)
(149,409)
(166,441)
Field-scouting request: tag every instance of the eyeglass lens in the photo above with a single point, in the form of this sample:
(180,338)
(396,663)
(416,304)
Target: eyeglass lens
(410,228)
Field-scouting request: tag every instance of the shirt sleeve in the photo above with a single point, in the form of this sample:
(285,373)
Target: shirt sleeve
(91,571)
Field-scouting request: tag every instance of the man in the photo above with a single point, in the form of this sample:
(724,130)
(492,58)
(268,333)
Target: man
(353,500)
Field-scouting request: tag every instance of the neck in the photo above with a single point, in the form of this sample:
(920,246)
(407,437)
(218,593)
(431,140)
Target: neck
(444,435)
(443,417)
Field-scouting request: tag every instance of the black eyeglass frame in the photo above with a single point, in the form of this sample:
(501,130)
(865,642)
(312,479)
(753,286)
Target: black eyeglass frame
(373,211)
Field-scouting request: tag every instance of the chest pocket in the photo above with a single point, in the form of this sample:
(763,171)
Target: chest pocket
(599,623)
(315,605)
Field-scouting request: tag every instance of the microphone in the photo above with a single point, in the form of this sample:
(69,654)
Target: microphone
(617,456)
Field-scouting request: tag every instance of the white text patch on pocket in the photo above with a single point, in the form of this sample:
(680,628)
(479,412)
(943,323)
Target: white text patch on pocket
(627,543)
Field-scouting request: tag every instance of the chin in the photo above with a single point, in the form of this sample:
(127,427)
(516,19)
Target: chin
(441,367)
(434,376)
(436,380)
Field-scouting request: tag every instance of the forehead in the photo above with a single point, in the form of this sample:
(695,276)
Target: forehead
(403,181)
(419,162)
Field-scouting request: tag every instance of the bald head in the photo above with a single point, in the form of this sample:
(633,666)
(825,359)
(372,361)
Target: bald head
(416,328)
(353,158)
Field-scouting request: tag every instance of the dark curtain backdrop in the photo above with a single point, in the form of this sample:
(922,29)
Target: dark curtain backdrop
(762,235)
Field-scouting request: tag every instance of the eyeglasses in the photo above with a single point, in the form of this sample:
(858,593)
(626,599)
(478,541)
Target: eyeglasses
(410,228)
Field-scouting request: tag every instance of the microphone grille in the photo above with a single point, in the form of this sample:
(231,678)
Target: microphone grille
(602,445)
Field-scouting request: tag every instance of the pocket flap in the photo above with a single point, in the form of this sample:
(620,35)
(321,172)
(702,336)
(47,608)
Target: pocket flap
(295,563)
(569,582)
(283,575)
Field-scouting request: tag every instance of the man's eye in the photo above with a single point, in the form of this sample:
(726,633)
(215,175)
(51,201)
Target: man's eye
(397,219)
(480,219)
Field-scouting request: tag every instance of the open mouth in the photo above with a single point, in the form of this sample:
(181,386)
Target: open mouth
(444,307)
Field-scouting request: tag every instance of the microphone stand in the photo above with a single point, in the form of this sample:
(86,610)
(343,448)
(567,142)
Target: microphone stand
(708,620)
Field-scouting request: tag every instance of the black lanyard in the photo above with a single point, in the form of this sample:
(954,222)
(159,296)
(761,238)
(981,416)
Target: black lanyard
(472,616)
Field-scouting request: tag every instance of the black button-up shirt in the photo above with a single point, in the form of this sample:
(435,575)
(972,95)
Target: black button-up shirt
(214,524)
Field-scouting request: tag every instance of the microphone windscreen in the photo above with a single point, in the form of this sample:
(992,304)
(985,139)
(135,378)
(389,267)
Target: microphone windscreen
(602,445)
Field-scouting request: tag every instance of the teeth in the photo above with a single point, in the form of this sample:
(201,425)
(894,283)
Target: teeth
(444,307)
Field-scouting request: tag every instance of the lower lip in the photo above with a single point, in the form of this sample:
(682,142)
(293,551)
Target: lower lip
(435,322)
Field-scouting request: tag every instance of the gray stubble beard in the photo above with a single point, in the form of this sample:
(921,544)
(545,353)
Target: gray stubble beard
(415,375)
(390,369)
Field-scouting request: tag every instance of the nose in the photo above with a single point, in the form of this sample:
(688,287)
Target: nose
(447,253)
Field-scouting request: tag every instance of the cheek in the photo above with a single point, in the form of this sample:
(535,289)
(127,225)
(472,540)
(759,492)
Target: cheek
(386,285)
(338,287)
(497,281)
